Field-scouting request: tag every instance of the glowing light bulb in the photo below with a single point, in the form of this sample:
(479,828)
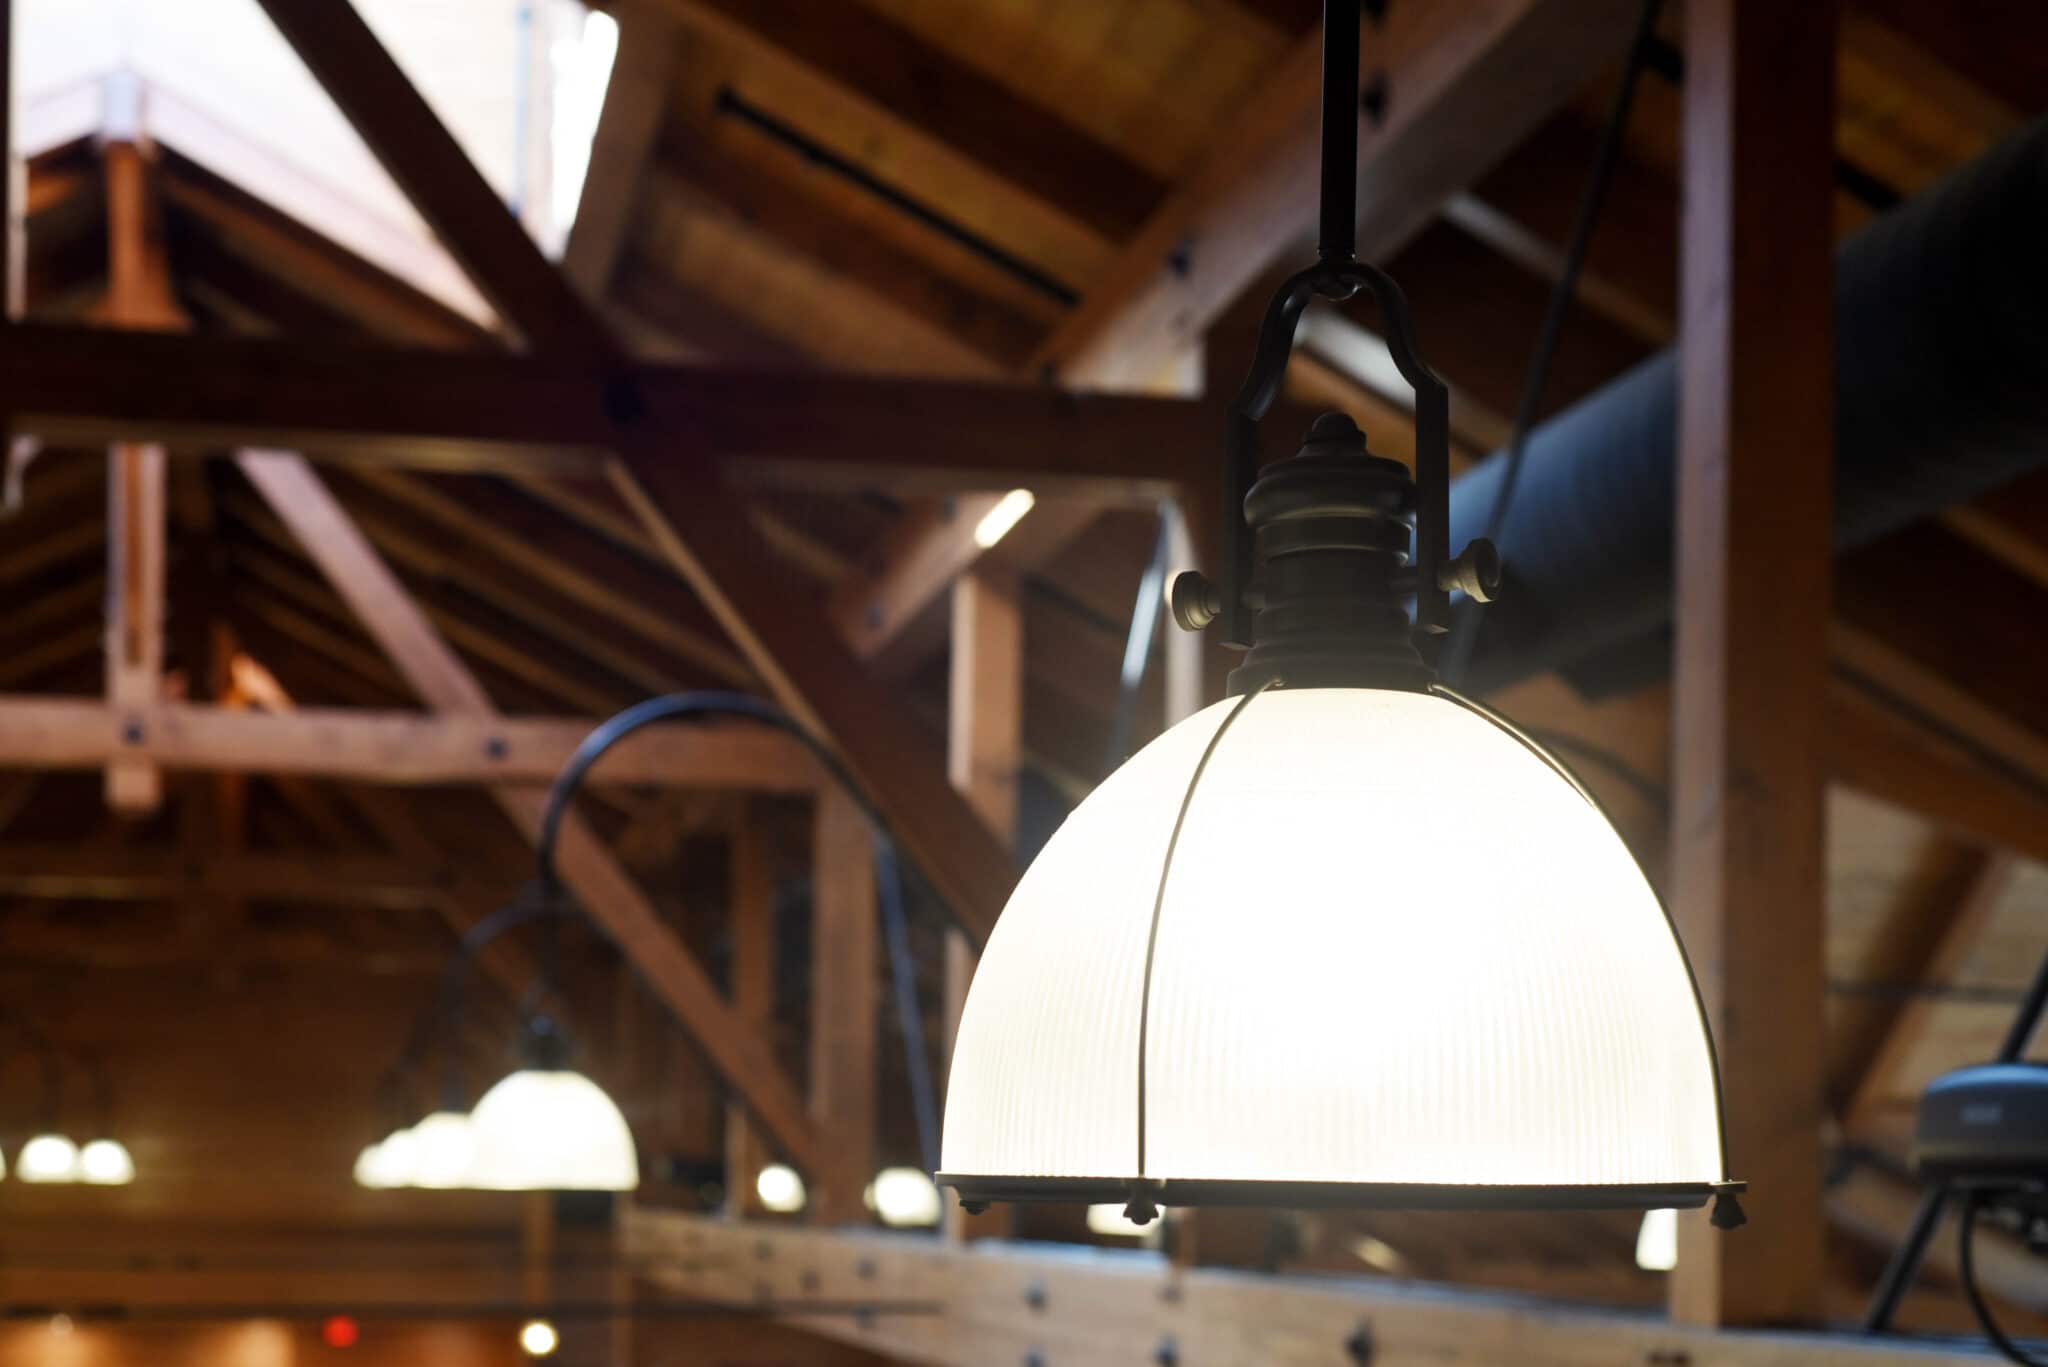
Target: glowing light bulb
(48,1158)
(1657,1241)
(1008,511)
(904,1198)
(447,1150)
(537,1338)
(106,1163)
(780,1189)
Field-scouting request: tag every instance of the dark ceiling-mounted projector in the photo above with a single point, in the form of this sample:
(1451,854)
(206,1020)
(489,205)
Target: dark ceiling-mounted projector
(1986,1127)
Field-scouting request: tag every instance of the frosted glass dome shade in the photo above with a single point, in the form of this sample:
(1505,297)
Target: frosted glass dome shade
(48,1158)
(1399,960)
(446,1152)
(106,1163)
(551,1130)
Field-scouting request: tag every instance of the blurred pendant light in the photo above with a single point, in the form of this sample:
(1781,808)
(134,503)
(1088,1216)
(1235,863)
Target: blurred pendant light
(780,1189)
(547,1127)
(106,1163)
(369,1169)
(1657,1241)
(904,1198)
(1347,938)
(48,1158)
(398,1159)
(447,1150)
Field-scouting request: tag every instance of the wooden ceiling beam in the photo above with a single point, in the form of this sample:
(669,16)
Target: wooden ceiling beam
(606,891)
(1112,1308)
(665,471)
(482,411)
(128,873)
(389,747)
(1465,82)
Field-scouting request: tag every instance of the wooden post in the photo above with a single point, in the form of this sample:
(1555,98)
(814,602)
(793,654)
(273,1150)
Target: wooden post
(752,985)
(844,1025)
(984,750)
(138,296)
(1754,504)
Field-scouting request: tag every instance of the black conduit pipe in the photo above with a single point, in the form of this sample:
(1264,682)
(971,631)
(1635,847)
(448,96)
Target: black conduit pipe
(1941,394)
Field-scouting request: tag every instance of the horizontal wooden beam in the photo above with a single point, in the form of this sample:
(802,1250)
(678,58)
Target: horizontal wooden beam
(126,873)
(390,746)
(496,411)
(1080,1308)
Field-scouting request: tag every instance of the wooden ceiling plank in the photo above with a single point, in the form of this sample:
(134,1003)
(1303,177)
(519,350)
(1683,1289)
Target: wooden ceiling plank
(1962,923)
(314,264)
(894,69)
(604,888)
(1465,83)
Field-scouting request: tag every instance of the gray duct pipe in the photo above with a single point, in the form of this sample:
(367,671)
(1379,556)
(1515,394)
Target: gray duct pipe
(1941,394)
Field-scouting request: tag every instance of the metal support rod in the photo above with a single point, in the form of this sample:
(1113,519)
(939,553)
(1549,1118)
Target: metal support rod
(1339,237)
(1905,1263)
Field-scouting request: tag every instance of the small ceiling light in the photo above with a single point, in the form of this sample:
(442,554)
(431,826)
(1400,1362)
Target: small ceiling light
(1347,938)
(547,1127)
(48,1158)
(1379,1255)
(1657,1241)
(106,1163)
(780,1189)
(537,1338)
(1008,511)
(447,1150)
(904,1198)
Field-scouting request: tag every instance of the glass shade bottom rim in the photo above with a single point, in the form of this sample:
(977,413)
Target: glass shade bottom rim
(1187,1192)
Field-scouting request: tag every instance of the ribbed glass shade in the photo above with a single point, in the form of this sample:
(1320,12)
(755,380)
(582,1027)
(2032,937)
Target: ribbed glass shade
(551,1130)
(106,1163)
(48,1158)
(1397,952)
(447,1150)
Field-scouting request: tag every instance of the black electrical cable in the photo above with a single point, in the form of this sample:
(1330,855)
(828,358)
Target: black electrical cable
(704,705)
(1457,651)
(1966,1267)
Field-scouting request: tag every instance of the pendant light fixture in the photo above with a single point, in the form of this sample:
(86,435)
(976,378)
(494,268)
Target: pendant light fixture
(1347,938)
(547,1127)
